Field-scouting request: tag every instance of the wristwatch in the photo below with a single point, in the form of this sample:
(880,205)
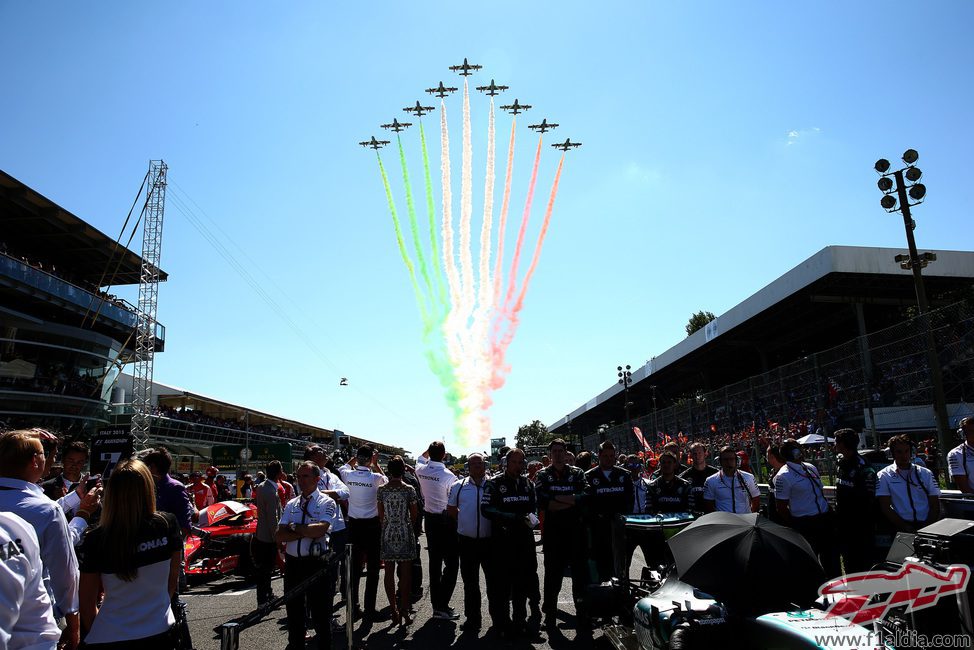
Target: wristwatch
(292,527)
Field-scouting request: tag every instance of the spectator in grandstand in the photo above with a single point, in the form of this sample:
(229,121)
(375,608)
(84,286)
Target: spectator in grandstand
(263,543)
(855,503)
(960,459)
(697,474)
(800,502)
(74,457)
(133,555)
(908,494)
(730,489)
(441,531)
(397,504)
(22,462)
(26,615)
(170,494)
(306,520)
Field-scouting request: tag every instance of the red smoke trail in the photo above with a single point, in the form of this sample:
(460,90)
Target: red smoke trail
(512,281)
(500,350)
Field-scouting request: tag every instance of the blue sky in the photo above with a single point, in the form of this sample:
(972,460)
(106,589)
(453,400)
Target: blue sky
(724,143)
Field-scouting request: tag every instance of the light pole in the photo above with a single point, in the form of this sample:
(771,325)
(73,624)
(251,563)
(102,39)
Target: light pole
(906,188)
(625,378)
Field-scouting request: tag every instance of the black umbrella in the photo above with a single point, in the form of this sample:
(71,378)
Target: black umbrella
(747,562)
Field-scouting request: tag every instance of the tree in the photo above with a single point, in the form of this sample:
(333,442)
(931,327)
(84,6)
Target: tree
(533,435)
(699,321)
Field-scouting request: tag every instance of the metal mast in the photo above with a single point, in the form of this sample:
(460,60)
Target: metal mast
(148,301)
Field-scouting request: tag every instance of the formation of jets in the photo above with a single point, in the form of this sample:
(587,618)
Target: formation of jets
(515,108)
(544,126)
(396,125)
(465,68)
(492,89)
(375,144)
(441,91)
(567,144)
(420,111)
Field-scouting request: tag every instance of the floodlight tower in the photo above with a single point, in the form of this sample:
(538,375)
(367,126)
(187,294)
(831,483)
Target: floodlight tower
(625,378)
(155,205)
(907,187)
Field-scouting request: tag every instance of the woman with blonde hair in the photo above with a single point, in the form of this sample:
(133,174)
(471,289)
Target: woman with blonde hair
(133,554)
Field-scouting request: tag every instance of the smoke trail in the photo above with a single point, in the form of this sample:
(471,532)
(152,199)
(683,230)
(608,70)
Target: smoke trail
(501,350)
(512,280)
(479,329)
(399,239)
(502,226)
(447,225)
(466,211)
(431,212)
(414,227)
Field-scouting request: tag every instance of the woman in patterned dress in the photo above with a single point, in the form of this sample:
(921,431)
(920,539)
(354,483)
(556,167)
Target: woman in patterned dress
(397,514)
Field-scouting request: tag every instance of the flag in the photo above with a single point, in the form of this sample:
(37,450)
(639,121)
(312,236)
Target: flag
(640,437)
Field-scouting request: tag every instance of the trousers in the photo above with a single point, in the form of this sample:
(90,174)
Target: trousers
(365,536)
(441,538)
(319,597)
(475,556)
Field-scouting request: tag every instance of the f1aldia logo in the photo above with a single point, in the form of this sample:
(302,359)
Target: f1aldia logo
(865,597)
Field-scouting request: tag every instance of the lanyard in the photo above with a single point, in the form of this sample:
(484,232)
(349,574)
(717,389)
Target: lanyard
(732,488)
(812,477)
(909,492)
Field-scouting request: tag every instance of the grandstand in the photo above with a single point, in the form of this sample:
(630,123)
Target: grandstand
(828,344)
(63,337)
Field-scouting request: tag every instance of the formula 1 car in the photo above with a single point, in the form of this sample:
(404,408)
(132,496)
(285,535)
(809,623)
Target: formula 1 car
(220,544)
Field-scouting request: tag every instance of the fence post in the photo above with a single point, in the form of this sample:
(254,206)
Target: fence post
(349,605)
(230,636)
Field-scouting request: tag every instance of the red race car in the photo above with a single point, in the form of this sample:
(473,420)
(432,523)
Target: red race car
(220,544)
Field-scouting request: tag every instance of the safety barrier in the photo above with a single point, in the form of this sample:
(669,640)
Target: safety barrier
(230,631)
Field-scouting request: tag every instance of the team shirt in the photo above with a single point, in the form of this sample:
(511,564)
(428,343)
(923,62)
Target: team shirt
(139,608)
(855,490)
(29,502)
(507,501)
(312,509)
(697,478)
(436,481)
(26,619)
(466,496)
(610,492)
(329,482)
(362,484)
(668,496)
(201,494)
(801,486)
(731,493)
(908,491)
(549,483)
(960,460)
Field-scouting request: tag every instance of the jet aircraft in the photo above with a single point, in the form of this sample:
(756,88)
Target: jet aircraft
(441,91)
(515,108)
(397,126)
(544,126)
(375,144)
(465,68)
(419,110)
(567,144)
(492,89)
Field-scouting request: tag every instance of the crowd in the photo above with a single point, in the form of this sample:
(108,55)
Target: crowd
(93,563)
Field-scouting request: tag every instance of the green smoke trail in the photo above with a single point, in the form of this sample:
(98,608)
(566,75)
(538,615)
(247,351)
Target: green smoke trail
(438,277)
(402,245)
(414,227)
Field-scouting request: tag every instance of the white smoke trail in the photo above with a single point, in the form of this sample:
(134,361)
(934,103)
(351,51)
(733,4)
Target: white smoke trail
(453,344)
(483,315)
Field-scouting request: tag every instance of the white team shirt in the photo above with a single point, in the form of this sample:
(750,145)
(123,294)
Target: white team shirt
(731,493)
(908,490)
(313,509)
(56,540)
(435,480)
(466,496)
(329,482)
(362,484)
(960,460)
(26,616)
(801,486)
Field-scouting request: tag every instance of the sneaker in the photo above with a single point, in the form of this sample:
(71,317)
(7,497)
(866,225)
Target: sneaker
(446,614)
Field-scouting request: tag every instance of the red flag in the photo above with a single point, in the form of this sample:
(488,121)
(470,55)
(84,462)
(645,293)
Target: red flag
(640,437)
